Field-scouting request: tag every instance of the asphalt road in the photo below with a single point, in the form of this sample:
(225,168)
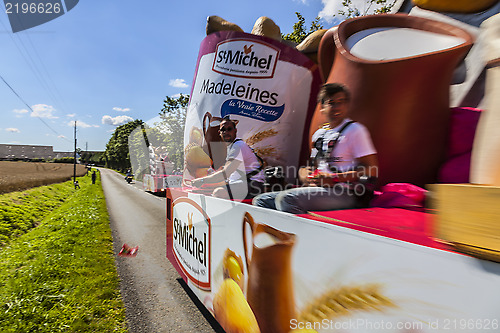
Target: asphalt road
(155,297)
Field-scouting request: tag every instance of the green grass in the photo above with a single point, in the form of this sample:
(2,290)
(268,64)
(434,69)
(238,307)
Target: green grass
(22,211)
(60,276)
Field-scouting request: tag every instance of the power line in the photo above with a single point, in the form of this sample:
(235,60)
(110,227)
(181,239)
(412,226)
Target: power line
(33,65)
(49,83)
(29,107)
(39,75)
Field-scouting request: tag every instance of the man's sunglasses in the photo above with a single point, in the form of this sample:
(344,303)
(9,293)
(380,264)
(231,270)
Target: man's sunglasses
(226,129)
(339,102)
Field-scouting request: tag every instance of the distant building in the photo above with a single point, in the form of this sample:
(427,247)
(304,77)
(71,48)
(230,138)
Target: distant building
(29,152)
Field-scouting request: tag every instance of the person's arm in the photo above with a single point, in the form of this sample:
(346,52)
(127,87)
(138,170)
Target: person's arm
(367,166)
(305,173)
(218,176)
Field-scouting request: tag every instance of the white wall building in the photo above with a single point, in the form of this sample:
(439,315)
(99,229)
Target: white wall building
(28,152)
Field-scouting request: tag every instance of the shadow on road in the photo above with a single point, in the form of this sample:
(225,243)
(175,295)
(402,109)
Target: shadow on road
(208,316)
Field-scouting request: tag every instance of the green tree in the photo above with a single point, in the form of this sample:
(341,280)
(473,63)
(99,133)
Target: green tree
(98,158)
(85,157)
(350,10)
(92,157)
(117,152)
(300,32)
(173,116)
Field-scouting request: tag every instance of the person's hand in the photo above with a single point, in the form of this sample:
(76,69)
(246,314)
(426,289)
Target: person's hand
(305,175)
(323,179)
(198,182)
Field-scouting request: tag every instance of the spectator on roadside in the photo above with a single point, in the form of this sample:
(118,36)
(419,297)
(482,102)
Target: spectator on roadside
(77,185)
(94,177)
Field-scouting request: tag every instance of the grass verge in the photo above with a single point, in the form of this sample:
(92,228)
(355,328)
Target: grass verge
(60,276)
(22,211)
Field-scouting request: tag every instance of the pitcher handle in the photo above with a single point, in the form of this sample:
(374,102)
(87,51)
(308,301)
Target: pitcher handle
(209,116)
(326,53)
(205,129)
(247,218)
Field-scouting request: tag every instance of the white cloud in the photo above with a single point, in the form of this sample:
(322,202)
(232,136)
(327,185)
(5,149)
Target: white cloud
(116,121)
(121,109)
(13,130)
(80,124)
(61,137)
(332,7)
(43,111)
(178,83)
(20,112)
(71,115)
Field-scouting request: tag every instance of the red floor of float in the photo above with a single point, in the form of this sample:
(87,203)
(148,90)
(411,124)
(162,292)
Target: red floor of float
(402,224)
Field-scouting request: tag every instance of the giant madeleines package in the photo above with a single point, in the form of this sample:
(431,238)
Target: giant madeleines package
(269,87)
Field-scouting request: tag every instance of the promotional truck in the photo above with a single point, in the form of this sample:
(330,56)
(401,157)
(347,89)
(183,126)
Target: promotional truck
(160,177)
(423,257)
(150,161)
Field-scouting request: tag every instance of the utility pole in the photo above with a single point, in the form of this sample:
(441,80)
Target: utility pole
(74,159)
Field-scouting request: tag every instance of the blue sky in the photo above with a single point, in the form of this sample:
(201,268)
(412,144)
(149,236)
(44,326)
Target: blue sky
(107,62)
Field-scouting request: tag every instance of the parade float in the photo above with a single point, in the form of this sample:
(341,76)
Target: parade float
(160,175)
(425,256)
(150,161)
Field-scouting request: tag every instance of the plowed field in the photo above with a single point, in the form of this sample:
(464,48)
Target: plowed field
(18,176)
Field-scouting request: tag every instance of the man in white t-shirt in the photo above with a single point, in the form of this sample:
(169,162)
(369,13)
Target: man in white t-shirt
(343,153)
(243,171)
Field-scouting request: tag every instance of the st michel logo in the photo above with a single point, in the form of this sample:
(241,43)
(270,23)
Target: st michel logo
(26,14)
(246,58)
(191,236)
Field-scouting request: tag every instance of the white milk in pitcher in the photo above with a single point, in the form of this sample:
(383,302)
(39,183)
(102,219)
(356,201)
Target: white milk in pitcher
(389,43)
